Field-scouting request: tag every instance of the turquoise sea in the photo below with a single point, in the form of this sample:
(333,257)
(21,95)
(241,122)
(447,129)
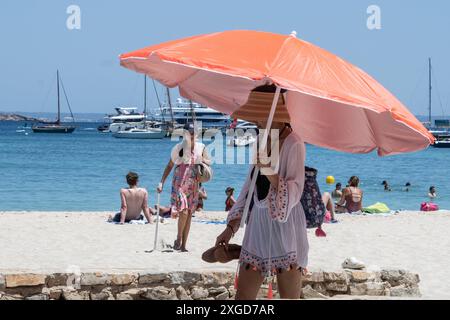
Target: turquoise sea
(86,170)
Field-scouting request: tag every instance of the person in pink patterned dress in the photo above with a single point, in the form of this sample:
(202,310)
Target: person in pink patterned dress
(275,240)
(185,185)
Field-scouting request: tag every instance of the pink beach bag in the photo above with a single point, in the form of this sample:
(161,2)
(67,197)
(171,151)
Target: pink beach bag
(429,206)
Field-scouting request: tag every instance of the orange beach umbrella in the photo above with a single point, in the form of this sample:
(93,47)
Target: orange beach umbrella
(331,103)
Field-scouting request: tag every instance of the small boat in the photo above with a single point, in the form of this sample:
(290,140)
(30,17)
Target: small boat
(442,144)
(56,127)
(104,128)
(135,133)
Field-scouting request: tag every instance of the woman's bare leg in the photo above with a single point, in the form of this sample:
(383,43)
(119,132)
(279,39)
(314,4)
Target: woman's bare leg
(187,228)
(328,201)
(249,283)
(181,225)
(290,284)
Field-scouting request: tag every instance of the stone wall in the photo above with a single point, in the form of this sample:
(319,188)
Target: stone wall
(196,286)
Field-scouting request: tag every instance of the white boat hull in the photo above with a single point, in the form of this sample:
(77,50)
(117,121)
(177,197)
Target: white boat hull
(157,134)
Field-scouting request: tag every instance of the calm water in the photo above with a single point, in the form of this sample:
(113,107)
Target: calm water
(85,171)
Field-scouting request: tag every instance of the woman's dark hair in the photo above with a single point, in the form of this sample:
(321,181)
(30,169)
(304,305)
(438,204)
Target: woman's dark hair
(432,187)
(132,178)
(354,181)
(338,185)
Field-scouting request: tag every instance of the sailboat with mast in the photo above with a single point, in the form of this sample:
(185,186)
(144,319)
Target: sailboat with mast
(56,127)
(144,130)
(442,136)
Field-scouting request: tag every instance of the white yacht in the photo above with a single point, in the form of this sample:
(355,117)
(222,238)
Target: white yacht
(125,118)
(185,111)
(147,133)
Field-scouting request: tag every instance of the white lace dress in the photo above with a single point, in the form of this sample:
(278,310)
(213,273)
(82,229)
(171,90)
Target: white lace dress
(275,236)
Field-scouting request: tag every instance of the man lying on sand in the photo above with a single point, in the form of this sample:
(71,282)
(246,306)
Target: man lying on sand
(134,201)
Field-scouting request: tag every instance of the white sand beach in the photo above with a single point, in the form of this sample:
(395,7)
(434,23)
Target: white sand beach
(55,241)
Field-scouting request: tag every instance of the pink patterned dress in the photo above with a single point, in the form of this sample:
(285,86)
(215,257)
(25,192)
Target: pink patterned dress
(185,184)
(275,237)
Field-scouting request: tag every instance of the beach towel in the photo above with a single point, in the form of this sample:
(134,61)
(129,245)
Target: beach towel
(210,221)
(378,207)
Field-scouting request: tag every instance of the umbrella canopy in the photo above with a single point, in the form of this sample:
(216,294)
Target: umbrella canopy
(331,103)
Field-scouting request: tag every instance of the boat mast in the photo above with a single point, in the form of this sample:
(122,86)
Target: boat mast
(170,106)
(429,91)
(145,95)
(58,121)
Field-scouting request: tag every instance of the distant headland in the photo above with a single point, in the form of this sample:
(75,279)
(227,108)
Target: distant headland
(15,117)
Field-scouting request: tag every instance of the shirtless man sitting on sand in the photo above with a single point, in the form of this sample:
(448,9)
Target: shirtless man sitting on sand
(134,202)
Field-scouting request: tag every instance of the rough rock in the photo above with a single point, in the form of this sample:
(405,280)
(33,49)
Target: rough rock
(56,280)
(160,293)
(6,297)
(216,279)
(214,291)
(313,277)
(182,294)
(198,293)
(336,287)
(358,276)
(75,295)
(186,278)
(95,279)
(105,294)
(152,278)
(123,296)
(320,287)
(309,293)
(358,289)
(54,293)
(24,280)
(135,293)
(223,296)
(2,282)
(405,291)
(376,288)
(123,279)
(335,277)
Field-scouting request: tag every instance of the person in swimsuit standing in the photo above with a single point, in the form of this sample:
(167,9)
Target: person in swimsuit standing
(352,196)
(230,201)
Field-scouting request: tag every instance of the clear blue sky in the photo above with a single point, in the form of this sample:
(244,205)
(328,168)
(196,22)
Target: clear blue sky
(35,41)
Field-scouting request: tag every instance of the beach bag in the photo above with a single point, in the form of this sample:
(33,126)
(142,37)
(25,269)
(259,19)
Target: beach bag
(311,200)
(204,172)
(429,206)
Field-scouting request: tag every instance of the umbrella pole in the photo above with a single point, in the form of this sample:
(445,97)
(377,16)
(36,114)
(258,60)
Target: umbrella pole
(157,222)
(263,146)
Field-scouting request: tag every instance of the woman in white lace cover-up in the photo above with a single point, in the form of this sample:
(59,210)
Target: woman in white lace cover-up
(275,240)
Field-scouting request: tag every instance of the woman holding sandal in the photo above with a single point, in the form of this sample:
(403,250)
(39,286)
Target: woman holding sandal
(275,241)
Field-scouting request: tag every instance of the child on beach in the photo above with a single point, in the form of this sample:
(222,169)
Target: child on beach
(230,201)
(134,201)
